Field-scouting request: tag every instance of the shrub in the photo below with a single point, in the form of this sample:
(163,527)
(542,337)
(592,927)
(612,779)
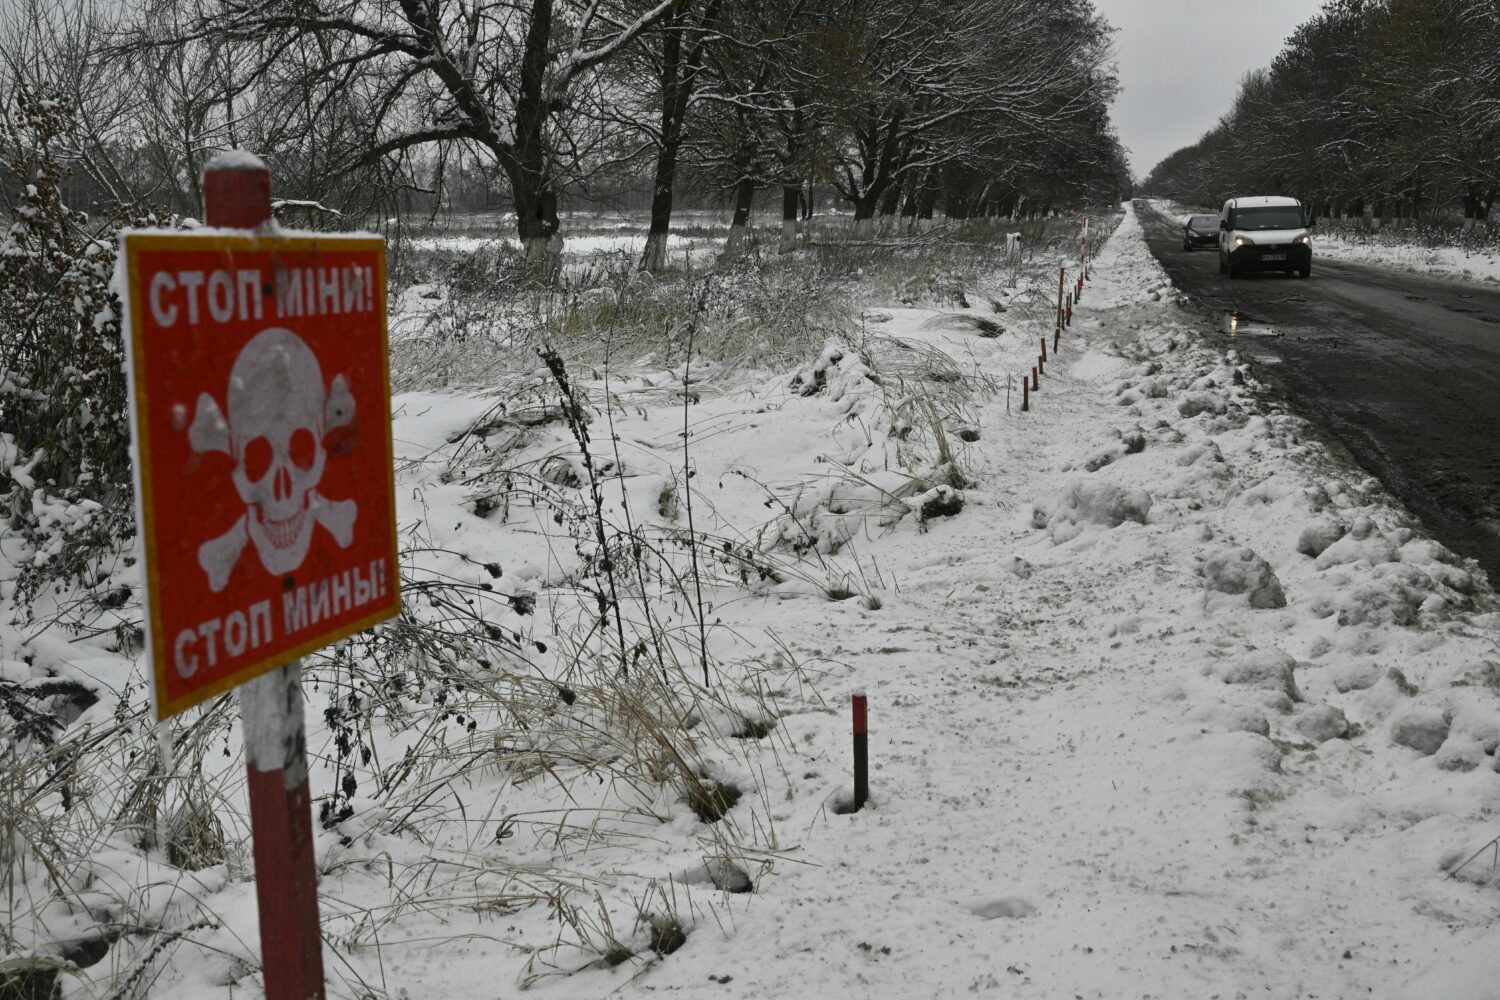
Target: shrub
(64,437)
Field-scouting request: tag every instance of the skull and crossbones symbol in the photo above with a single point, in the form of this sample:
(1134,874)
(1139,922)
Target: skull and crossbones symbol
(279,415)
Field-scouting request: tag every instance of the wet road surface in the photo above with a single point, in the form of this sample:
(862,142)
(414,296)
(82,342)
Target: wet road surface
(1403,371)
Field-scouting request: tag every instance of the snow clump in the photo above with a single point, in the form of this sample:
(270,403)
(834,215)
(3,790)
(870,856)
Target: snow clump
(1364,541)
(1321,723)
(1241,571)
(1392,595)
(1267,669)
(1318,535)
(1424,728)
(1203,402)
(1084,501)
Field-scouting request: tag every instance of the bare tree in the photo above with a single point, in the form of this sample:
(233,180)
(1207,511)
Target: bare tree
(494,75)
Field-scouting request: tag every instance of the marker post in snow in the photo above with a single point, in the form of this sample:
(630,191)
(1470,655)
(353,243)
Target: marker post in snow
(860,712)
(267,519)
(1062,277)
(1083,258)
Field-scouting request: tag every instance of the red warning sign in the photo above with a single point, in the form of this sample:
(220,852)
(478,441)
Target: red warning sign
(260,397)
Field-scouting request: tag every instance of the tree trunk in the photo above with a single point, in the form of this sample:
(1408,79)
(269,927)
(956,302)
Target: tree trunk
(909,203)
(955,207)
(655,256)
(984,209)
(864,216)
(536,219)
(536,202)
(790,195)
(678,73)
(1474,207)
(889,203)
(926,205)
(744,194)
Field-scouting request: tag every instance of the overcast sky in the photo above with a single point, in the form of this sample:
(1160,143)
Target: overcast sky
(1181,63)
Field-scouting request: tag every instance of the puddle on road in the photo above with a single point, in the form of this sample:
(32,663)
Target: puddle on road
(1238,324)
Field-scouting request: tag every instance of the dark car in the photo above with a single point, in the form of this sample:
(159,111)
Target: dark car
(1200,231)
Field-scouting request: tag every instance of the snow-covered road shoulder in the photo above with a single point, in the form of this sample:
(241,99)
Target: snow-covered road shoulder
(1179,705)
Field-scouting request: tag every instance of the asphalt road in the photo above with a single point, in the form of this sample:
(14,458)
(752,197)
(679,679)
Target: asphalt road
(1403,371)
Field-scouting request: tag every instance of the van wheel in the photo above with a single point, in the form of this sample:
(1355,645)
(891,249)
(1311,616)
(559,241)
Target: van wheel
(1305,272)
(1229,270)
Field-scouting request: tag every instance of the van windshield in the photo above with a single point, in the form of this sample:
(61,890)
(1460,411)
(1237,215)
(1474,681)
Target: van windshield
(1270,217)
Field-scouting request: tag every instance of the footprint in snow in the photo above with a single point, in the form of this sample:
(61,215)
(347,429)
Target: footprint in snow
(1010,907)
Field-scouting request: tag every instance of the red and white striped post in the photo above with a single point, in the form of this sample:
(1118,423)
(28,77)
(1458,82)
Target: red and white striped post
(861,727)
(237,195)
(1062,277)
(1083,258)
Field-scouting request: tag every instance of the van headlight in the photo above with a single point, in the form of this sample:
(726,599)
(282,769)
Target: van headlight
(1305,240)
(1240,241)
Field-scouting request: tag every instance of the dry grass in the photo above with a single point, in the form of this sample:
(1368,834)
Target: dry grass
(616,728)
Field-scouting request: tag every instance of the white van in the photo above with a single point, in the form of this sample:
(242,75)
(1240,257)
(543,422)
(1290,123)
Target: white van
(1264,233)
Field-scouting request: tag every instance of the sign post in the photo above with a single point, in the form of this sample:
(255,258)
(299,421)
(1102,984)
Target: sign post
(260,415)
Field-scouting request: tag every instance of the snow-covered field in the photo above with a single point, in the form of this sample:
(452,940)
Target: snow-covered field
(1440,262)
(1171,705)
(631,243)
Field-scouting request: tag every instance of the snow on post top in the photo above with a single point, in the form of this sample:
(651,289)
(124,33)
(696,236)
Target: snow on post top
(235,159)
(236,191)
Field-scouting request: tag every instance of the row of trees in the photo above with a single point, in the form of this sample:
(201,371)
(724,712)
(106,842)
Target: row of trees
(1390,107)
(904,106)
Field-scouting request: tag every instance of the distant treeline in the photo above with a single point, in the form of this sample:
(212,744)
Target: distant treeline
(1388,108)
(369,108)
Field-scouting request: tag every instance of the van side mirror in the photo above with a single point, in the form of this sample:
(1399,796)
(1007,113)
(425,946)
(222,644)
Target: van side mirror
(1223,223)
(1312,223)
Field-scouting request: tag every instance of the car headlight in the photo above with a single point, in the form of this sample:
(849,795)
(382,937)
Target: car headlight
(1240,241)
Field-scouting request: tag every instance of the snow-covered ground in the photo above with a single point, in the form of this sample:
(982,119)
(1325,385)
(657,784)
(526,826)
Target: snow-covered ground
(1389,251)
(1175,705)
(591,245)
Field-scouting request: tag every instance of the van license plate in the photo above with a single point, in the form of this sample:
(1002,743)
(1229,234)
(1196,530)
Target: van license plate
(1273,256)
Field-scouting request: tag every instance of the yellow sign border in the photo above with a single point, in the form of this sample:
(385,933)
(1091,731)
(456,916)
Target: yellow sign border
(132,244)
